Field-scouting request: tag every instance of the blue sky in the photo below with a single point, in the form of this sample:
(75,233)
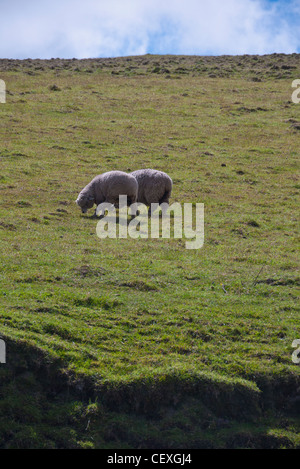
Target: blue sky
(111,28)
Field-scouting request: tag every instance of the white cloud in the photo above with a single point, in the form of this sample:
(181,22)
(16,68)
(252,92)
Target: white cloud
(101,28)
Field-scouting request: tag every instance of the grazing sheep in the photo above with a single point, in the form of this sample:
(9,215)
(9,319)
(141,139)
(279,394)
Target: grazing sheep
(154,186)
(107,187)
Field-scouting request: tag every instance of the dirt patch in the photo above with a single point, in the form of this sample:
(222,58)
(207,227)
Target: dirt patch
(88,271)
(282,282)
(139,285)
(7,226)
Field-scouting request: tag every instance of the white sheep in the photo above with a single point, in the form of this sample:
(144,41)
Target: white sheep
(154,187)
(107,187)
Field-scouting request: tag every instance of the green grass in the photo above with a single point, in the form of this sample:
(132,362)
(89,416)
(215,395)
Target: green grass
(143,343)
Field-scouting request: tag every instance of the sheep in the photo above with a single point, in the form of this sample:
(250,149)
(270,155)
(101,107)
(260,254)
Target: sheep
(153,187)
(107,187)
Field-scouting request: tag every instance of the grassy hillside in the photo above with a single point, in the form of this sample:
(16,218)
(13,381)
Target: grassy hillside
(142,343)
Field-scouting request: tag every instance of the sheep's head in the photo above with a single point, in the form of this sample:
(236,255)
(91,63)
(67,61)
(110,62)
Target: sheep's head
(85,202)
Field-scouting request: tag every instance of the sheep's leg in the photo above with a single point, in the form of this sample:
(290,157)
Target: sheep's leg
(94,214)
(98,215)
(152,208)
